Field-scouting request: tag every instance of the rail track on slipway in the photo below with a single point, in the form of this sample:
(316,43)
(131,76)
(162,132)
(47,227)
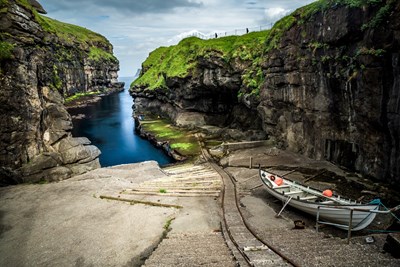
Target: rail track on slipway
(248,248)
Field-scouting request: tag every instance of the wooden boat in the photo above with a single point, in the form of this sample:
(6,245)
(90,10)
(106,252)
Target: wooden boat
(334,210)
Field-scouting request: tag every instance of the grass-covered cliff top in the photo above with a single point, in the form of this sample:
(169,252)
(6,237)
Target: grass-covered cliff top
(97,46)
(181,60)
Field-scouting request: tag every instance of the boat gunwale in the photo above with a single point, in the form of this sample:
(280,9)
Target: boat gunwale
(336,203)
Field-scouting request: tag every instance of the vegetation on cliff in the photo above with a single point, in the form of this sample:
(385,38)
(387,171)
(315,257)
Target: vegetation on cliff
(42,63)
(181,60)
(181,140)
(96,45)
(68,45)
(5,50)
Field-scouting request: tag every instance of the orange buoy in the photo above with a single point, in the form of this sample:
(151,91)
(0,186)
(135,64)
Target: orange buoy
(327,193)
(278,181)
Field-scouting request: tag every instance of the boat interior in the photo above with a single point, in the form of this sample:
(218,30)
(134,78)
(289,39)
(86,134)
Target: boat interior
(304,193)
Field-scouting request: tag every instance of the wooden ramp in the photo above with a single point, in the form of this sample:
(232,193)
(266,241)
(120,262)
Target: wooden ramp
(182,181)
(192,249)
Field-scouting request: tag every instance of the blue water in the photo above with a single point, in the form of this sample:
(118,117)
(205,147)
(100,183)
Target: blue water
(110,127)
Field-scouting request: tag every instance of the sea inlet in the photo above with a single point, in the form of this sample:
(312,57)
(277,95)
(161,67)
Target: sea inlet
(108,123)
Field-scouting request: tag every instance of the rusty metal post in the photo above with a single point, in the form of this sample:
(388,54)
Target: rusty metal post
(317,220)
(350,226)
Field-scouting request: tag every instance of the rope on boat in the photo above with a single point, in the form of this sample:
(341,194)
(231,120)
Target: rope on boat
(378,201)
(382,231)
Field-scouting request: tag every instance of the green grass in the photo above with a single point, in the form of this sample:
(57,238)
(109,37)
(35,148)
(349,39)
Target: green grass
(182,146)
(181,60)
(180,139)
(56,78)
(276,33)
(70,33)
(167,224)
(87,40)
(6,50)
(98,54)
(96,45)
(79,95)
(162,191)
(380,16)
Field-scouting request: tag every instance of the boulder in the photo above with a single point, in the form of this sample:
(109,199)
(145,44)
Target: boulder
(41,162)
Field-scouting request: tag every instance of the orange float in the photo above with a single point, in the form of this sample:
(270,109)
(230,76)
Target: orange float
(278,181)
(327,193)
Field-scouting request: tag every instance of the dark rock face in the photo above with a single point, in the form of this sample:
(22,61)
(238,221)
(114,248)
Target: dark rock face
(332,91)
(37,6)
(35,139)
(210,96)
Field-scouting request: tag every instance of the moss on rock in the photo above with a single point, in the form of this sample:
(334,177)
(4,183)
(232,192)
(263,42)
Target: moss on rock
(181,60)
(6,49)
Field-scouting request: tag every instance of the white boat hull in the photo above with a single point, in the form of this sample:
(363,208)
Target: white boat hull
(338,213)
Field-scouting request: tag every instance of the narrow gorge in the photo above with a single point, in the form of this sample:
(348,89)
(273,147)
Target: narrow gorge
(45,63)
(323,82)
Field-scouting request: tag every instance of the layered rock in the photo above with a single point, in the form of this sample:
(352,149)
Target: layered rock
(332,88)
(329,87)
(207,95)
(40,67)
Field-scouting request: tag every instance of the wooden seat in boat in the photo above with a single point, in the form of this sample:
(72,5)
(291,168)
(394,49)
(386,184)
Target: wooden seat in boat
(293,193)
(311,197)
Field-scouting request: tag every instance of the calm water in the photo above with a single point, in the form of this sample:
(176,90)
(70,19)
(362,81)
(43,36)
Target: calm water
(110,127)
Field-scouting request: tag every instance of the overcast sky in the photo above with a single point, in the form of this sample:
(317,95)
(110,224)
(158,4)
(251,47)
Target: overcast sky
(136,27)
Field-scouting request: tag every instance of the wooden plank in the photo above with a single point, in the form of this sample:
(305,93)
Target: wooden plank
(133,201)
(173,190)
(172,195)
(176,188)
(195,175)
(293,193)
(188,179)
(184,182)
(308,198)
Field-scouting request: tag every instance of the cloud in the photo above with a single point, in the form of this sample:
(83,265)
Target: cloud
(275,13)
(211,34)
(136,27)
(124,6)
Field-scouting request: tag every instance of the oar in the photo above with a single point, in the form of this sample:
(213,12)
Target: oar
(312,177)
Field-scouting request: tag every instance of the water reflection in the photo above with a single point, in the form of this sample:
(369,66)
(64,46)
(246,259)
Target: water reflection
(109,125)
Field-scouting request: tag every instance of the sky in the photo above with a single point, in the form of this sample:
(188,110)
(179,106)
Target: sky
(137,27)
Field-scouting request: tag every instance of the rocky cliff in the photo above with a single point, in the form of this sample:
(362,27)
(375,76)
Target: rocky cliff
(325,83)
(43,62)
(197,83)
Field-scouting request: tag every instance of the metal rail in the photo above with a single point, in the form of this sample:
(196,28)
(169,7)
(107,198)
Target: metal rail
(226,176)
(350,225)
(235,32)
